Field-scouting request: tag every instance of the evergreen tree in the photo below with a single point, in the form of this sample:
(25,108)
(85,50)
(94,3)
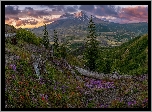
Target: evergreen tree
(91,47)
(63,52)
(45,38)
(55,45)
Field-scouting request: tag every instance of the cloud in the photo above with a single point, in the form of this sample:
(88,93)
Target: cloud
(49,6)
(6,18)
(70,9)
(62,8)
(47,20)
(75,6)
(138,13)
(122,14)
(19,23)
(26,21)
(54,10)
(33,22)
(11,10)
(28,11)
(14,17)
(55,7)
(89,8)
(106,10)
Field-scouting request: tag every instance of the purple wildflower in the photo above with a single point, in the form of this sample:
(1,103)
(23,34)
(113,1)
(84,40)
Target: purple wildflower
(89,85)
(46,97)
(41,95)
(106,106)
(92,81)
(55,87)
(101,106)
(131,103)
(97,82)
(100,86)
(13,67)
(145,100)
(64,88)
(41,81)
(134,102)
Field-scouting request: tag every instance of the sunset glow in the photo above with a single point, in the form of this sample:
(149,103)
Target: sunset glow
(37,15)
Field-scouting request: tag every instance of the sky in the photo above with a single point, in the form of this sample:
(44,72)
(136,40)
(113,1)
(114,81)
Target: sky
(31,16)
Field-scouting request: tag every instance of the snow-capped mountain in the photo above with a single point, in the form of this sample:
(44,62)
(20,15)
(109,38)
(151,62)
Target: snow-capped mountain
(83,16)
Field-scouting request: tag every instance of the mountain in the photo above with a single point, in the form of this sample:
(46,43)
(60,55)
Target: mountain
(67,21)
(109,33)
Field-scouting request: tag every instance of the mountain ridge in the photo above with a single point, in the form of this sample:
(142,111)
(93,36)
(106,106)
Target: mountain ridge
(76,25)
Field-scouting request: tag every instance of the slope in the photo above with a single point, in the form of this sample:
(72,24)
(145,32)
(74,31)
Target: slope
(129,58)
(52,84)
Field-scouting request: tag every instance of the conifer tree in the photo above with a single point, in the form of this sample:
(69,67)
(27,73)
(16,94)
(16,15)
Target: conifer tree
(91,47)
(63,52)
(45,38)
(55,45)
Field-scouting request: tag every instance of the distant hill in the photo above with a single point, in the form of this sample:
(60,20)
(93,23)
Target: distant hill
(129,58)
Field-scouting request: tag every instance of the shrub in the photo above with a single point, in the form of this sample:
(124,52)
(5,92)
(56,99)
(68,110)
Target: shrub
(28,37)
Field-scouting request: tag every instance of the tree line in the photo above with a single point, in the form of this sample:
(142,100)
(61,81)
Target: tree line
(91,46)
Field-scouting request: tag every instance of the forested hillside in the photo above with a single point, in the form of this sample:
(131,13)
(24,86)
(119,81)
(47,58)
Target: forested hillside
(129,58)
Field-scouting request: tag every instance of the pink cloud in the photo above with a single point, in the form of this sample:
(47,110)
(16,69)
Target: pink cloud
(138,13)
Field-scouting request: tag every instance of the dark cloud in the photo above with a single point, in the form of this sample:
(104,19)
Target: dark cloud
(11,10)
(14,17)
(60,8)
(70,9)
(19,23)
(138,13)
(63,8)
(48,20)
(49,6)
(87,7)
(42,12)
(75,6)
(55,7)
(106,10)
(33,22)
(29,9)
(35,13)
